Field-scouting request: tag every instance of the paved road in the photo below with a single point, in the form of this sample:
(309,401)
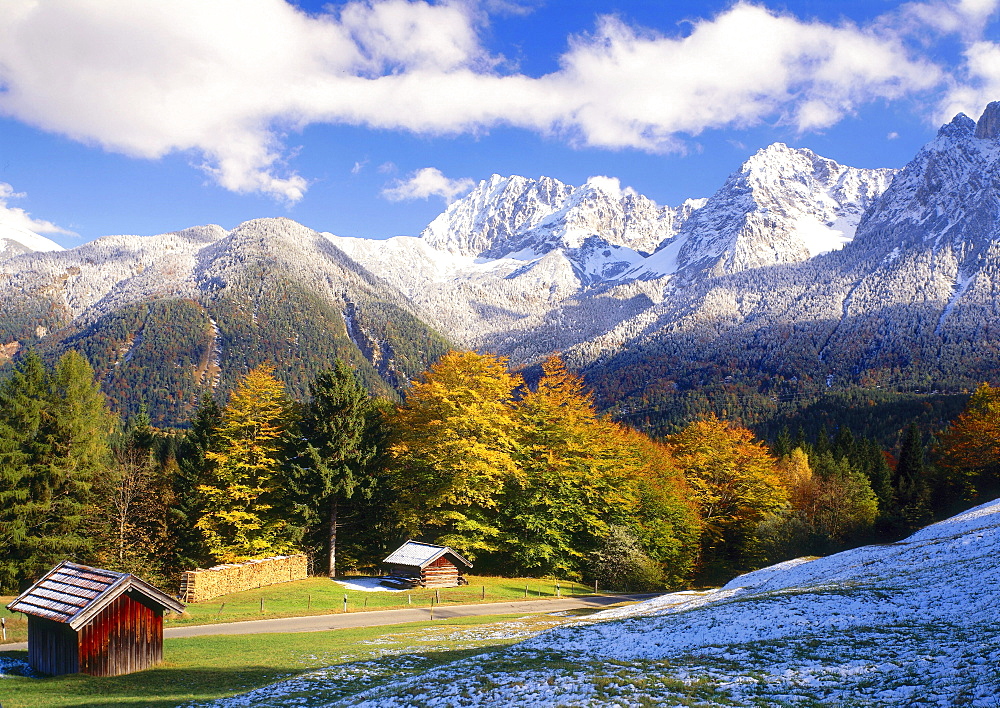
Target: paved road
(378,618)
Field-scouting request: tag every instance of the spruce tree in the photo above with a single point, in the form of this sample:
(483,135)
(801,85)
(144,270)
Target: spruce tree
(189,548)
(783,444)
(910,481)
(23,396)
(75,436)
(336,453)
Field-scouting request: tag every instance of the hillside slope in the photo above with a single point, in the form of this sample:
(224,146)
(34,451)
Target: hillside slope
(167,318)
(911,623)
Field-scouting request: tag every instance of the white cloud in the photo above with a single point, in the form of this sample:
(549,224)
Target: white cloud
(225,80)
(892,136)
(964,17)
(611,186)
(978,84)
(427,182)
(19,220)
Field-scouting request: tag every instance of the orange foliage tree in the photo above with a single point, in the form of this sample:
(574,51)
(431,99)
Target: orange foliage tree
(736,484)
(969,450)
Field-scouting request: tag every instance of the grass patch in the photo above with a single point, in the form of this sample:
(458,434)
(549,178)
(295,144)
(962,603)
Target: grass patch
(318,596)
(200,669)
(17,624)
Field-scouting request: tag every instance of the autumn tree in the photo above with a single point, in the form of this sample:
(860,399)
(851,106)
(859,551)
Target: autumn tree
(665,518)
(337,453)
(968,452)
(570,489)
(736,484)
(588,482)
(846,507)
(454,448)
(244,482)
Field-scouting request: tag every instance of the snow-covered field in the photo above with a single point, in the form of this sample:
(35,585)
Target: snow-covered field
(365,585)
(912,623)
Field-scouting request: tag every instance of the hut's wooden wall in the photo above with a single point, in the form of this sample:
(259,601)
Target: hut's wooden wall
(126,636)
(52,647)
(442,573)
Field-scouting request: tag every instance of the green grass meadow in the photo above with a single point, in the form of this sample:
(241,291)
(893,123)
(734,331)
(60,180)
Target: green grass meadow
(201,669)
(319,596)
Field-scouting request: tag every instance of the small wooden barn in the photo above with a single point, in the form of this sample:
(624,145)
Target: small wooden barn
(416,564)
(93,621)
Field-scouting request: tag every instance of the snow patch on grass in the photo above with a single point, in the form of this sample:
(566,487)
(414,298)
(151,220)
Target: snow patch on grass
(910,623)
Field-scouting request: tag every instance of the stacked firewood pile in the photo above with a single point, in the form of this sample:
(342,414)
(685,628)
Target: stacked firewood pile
(206,583)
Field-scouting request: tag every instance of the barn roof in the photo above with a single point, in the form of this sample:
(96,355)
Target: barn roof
(73,594)
(421,555)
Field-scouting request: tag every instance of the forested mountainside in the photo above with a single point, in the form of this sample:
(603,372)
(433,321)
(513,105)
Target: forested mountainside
(912,300)
(167,318)
(798,276)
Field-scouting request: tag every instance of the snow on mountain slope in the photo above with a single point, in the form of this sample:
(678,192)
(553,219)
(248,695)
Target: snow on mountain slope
(109,271)
(504,215)
(473,298)
(784,205)
(15,240)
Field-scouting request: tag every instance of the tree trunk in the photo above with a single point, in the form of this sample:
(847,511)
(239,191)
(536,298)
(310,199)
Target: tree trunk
(333,538)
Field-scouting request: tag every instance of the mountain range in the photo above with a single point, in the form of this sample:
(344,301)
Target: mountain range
(798,269)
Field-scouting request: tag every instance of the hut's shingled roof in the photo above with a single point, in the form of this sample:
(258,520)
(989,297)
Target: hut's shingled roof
(420,555)
(72,594)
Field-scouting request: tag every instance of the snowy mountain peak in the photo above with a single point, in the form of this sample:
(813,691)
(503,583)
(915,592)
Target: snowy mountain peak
(783,205)
(504,215)
(961,126)
(15,240)
(988,126)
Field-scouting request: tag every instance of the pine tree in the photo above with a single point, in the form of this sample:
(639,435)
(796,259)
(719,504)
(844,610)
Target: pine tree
(73,450)
(245,480)
(23,396)
(910,481)
(193,467)
(340,444)
(783,444)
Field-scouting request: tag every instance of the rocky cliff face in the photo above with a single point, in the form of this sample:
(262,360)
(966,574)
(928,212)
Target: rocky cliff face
(507,215)
(784,205)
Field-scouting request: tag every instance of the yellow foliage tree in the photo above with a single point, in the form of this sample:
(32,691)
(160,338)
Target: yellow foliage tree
(736,484)
(238,522)
(454,449)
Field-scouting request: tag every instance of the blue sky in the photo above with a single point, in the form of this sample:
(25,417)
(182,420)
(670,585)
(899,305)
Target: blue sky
(365,118)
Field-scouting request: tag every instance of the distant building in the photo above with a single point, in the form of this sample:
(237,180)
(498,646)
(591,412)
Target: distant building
(93,621)
(416,564)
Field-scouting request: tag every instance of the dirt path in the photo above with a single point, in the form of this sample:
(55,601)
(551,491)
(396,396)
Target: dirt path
(378,618)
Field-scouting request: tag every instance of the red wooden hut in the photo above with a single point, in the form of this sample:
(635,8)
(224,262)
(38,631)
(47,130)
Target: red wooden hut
(426,565)
(93,621)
